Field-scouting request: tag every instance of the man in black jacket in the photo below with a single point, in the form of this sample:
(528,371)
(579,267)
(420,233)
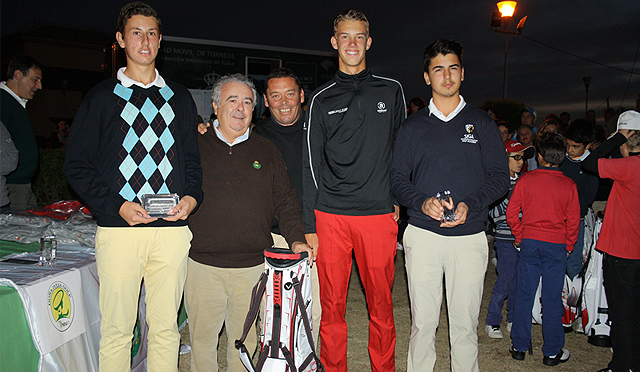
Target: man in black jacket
(347,203)
(284,97)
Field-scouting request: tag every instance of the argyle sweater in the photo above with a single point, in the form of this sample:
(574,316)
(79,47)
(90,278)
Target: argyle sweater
(127,142)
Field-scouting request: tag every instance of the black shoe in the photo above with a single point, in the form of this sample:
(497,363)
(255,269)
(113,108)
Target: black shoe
(567,329)
(515,354)
(605,370)
(562,357)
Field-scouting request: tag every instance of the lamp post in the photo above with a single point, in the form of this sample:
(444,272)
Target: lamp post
(586,80)
(500,23)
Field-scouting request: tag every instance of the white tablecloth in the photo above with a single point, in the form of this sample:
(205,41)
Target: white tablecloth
(61,307)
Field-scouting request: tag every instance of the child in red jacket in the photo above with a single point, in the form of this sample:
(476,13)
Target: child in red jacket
(545,233)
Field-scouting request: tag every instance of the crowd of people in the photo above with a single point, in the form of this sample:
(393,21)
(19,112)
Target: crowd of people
(540,227)
(330,181)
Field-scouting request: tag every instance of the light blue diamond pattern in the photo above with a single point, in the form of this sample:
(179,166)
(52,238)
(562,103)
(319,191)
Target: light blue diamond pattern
(146,189)
(164,189)
(167,113)
(122,92)
(127,193)
(149,110)
(130,140)
(165,167)
(129,113)
(128,167)
(148,166)
(149,138)
(166,92)
(166,139)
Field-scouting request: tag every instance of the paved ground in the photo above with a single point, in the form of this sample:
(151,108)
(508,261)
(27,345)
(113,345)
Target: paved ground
(493,354)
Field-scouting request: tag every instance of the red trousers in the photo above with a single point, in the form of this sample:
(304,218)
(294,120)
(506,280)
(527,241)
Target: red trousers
(373,241)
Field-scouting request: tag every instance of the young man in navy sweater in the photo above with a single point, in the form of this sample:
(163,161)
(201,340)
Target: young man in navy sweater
(449,146)
(579,137)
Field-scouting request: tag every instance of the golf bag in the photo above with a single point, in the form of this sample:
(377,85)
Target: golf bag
(595,311)
(571,295)
(573,289)
(286,341)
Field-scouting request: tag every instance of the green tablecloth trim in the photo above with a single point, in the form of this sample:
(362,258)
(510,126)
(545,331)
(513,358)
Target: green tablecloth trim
(7,247)
(17,352)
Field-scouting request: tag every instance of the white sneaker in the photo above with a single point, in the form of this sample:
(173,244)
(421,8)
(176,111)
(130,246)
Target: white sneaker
(509,325)
(556,359)
(493,331)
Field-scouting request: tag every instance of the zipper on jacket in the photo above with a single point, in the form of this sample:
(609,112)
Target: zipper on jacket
(358,96)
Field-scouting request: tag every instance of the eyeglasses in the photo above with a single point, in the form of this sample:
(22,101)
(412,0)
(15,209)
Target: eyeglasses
(517,157)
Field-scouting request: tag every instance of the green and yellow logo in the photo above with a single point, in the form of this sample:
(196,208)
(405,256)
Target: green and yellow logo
(61,306)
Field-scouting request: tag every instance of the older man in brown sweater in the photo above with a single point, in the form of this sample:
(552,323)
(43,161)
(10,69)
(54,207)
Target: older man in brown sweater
(246,185)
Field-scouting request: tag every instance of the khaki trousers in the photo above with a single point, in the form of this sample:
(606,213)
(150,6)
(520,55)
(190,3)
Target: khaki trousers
(462,260)
(215,296)
(124,256)
(316,310)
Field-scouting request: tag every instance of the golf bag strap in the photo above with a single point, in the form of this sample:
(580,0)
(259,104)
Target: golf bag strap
(256,296)
(288,357)
(307,325)
(262,358)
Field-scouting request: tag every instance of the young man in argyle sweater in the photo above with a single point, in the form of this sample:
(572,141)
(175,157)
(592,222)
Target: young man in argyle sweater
(135,134)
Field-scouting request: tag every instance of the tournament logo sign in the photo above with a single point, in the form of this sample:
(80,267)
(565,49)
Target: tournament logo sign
(61,306)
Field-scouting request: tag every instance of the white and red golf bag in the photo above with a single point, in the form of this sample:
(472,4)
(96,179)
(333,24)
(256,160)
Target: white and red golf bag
(286,342)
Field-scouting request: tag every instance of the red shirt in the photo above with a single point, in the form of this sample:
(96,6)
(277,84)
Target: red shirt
(550,208)
(620,233)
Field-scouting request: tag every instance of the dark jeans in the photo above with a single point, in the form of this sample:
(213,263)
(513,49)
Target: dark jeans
(622,286)
(505,287)
(549,260)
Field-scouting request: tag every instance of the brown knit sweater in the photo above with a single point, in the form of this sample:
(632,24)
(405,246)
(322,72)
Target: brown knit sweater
(245,186)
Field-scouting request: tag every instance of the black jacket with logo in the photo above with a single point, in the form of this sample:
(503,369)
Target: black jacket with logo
(350,127)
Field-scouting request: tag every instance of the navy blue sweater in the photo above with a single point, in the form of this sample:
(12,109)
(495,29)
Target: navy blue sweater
(465,155)
(587,183)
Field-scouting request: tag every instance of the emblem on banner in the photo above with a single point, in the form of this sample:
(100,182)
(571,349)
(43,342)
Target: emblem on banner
(61,306)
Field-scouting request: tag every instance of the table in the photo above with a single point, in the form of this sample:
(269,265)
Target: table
(51,319)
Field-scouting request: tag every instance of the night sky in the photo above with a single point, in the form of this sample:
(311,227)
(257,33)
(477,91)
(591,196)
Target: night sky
(607,32)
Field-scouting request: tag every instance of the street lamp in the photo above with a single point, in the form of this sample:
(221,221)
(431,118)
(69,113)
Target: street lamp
(586,80)
(500,23)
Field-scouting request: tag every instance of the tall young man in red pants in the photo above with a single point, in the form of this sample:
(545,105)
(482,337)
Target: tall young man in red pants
(347,203)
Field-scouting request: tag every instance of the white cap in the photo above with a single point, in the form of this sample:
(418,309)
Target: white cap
(629,120)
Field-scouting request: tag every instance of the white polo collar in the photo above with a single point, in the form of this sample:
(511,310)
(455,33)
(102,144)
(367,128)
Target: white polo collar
(22,101)
(128,82)
(434,110)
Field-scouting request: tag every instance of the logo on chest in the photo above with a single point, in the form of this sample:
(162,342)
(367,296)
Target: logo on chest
(469,137)
(338,111)
(382,108)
